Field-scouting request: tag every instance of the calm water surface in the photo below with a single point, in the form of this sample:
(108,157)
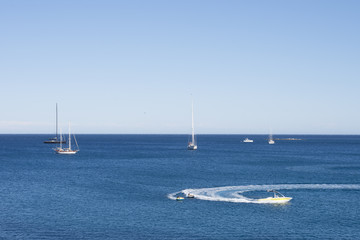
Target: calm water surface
(117,187)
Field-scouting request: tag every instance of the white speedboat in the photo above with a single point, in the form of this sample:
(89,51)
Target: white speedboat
(277,198)
(246,140)
(68,150)
(192,144)
(190,196)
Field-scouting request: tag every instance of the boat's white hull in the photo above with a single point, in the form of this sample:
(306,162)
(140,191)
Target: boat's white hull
(271,142)
(192,147)
(248,141)
(274,200)
(66,151)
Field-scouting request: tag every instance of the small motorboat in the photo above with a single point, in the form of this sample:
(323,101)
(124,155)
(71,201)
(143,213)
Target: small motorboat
(246,140)
(277,198)
(190,196)
(178,198)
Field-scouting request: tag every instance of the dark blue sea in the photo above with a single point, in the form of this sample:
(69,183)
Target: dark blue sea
(122,187)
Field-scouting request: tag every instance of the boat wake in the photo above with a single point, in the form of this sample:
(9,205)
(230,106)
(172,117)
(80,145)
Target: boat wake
(234,193)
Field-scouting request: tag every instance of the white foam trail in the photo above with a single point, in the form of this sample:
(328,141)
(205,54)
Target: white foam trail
(172,196)
(233,193)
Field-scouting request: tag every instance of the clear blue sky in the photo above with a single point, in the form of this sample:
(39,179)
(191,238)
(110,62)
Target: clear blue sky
(131,66)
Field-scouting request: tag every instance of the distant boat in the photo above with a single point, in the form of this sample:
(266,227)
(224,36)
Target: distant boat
(55,139)
(271,140)
(278,198)
(192,145)
(246,140)
(179,198)
(190,196)
(68,150)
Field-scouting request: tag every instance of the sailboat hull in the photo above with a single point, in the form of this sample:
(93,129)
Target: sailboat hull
(68,152)
(192,147)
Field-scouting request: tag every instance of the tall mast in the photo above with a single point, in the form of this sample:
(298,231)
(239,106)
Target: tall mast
(192,122)
(56,121)
(69,138)
(60,140)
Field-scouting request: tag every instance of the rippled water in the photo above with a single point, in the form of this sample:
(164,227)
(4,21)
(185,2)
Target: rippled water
(118,187)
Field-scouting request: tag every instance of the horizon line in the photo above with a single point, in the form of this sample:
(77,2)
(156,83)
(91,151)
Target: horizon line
(328,134)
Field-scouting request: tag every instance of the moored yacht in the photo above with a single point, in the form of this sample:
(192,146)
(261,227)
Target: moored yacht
(55,139)
(192,144)
(271,140)
(68,150)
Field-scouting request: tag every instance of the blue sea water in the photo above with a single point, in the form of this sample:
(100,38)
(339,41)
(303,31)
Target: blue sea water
(118,187)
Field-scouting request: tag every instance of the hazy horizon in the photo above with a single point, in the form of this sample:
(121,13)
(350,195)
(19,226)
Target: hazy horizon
(185,134)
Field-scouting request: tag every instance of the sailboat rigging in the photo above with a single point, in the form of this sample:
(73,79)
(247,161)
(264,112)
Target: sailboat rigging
(68,150)
(56,138)
(271,140)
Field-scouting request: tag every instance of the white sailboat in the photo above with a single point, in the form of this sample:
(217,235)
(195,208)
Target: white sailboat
(192,145)
(271,140)
(68,150)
